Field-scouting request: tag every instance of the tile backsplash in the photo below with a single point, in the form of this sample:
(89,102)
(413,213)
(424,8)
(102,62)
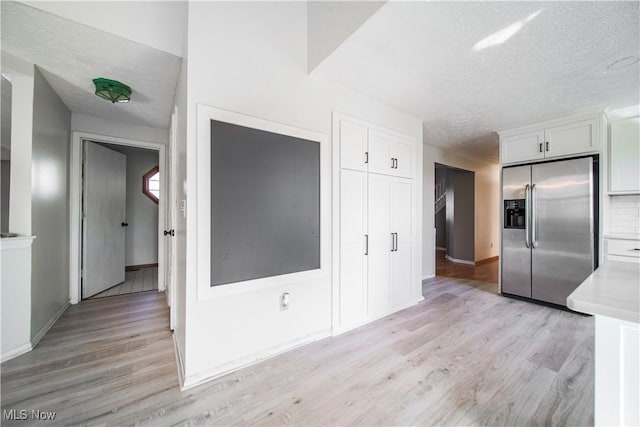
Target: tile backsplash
(625,214)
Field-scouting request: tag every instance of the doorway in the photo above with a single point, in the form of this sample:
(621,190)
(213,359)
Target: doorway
(454,210)
(121,192)
(76,205)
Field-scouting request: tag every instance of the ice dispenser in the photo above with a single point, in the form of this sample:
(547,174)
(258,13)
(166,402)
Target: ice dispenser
(514,213)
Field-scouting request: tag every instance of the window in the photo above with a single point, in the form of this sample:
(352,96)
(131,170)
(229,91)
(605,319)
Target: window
(151,184)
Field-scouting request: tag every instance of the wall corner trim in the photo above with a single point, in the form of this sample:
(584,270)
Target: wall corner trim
(52,320)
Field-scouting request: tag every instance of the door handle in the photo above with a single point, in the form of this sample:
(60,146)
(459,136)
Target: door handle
(366,244)
(169,232)
(534,230)
(527,218)
(124,224)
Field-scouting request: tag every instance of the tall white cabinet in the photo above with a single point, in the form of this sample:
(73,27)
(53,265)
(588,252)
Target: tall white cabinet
(375,257)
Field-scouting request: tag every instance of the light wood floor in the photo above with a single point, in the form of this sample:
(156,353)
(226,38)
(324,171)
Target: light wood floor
(464,356)
(143,279)
(487,272)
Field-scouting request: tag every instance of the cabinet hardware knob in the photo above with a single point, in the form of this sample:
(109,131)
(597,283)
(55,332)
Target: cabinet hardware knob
(124,224)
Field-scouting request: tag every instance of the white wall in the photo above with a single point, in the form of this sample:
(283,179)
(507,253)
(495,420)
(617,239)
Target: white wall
(90,124)
(21,73)
(251,58)
(49,205)
(487,204)
(153,23)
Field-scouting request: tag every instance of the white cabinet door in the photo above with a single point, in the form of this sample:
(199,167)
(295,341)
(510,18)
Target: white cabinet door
(624,156)
(402,152)
(353,247)
(380,241)
(353,146)
(380,153)
(523,147)
(401,225)
(574,138)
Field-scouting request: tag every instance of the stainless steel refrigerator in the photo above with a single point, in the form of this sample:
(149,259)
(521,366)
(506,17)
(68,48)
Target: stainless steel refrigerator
(550,223)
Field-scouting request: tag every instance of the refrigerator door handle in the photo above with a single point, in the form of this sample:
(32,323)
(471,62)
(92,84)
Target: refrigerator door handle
(527,215)
(534,233)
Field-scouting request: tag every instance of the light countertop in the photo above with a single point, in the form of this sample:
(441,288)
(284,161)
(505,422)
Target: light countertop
(613,290)
(622,236)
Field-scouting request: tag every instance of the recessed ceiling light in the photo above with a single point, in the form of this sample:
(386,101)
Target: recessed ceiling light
(623,63)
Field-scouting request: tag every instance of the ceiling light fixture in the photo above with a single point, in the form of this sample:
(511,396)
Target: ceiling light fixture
(112,90)
(623,63)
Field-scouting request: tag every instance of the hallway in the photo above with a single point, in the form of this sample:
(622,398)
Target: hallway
(484,271)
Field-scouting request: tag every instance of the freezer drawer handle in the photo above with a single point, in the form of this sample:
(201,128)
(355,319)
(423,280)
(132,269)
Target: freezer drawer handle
(534,231)
(526,222)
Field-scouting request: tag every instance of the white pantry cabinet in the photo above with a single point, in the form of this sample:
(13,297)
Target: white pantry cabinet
(562,137)
(376,269)
(624,156)
(374,150)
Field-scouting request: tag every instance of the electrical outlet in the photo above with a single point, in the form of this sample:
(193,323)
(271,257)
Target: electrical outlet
(285,300)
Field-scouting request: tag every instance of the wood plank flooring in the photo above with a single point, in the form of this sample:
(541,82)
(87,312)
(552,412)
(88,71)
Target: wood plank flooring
(140,280)
(464,356)
(486,272)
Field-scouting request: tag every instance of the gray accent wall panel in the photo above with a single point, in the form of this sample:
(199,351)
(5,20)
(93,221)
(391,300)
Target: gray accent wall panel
(265,204)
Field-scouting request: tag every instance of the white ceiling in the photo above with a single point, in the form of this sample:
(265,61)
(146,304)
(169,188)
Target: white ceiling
(71,54)
(419,57)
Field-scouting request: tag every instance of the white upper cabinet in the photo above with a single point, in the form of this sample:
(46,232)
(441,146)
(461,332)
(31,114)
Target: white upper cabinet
(390,155)
(520,148)
(353,146)
(624,156)
(562,137)
(573,138)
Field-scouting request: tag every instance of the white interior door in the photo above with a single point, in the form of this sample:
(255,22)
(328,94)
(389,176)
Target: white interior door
(104,211)
(172,215)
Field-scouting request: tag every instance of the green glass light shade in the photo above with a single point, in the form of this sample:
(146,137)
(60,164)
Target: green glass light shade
(112,90)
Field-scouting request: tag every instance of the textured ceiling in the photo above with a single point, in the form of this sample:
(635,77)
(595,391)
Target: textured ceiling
(419,57)
(70,55)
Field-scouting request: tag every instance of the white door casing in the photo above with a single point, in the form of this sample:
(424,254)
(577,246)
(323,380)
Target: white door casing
(75,200)
(104,213)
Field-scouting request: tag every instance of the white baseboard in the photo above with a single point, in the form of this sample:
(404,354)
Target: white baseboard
(351,326)
(440,248)
(41,333)
(15,352)
(459,261)
(429,276)
(179,361)
(194,380)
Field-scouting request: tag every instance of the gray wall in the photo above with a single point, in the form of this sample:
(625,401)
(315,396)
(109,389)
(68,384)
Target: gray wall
(49,204)
(441,216)
(460,215)
(5,154)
